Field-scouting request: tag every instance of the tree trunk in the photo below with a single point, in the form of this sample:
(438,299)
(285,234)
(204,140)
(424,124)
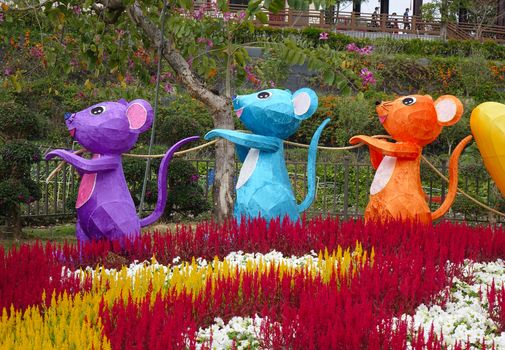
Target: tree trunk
(218,105)
(13,227)
(443,30)
(224,170)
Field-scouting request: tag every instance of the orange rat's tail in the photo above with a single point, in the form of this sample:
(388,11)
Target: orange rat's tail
(453,179)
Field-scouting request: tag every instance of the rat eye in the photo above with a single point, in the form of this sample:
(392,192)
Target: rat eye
(97,110)
(409,101)
(263,95)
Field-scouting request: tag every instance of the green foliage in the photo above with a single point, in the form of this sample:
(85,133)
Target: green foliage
(350,115)
(176,127)
(309,37)
(16,157)
(18,121)
(185,194)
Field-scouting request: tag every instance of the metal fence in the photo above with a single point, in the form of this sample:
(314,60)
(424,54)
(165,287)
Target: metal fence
(342,189)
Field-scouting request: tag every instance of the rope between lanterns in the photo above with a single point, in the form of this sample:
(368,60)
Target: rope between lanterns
(343,148)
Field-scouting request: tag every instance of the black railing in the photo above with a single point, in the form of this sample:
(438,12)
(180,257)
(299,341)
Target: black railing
(342,189)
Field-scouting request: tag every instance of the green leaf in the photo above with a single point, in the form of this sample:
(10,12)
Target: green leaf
(328,76)
(274,5)
(254,6)
(222,5)
(262,17)
(239,58)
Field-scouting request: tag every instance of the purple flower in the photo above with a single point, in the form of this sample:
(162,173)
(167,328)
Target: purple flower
(198,14)
(128,79)
(77,9)
(194,178)
(226,16)
(240,15)
(352,47)
(207,42)
(131,64)
(323,36)
(1,17)
(367,77)
(7,71)
(168,88)
(166,76)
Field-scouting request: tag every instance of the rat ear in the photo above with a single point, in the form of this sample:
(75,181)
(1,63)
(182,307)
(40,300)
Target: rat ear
(304,103)
(449,110)
(140,115)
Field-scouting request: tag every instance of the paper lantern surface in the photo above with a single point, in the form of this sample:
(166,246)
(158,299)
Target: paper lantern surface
(488,127)
(413,121)
(263,187)
(105,208)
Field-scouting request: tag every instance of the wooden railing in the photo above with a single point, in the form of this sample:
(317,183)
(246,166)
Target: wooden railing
(367,22)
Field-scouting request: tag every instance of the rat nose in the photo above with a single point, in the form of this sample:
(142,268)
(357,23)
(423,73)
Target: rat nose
(67,115)
(378,102)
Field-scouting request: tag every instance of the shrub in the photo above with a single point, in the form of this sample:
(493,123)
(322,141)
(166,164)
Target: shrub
(176,127)
(16,156)
(412,47)
(185,194)
(350,115)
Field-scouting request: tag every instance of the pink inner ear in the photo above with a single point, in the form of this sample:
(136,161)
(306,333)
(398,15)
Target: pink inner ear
(137,115)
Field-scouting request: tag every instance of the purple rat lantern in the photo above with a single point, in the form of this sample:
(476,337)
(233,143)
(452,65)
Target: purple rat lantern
(105,208)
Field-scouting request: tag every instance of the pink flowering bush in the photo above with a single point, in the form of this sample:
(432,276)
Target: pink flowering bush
(365,51)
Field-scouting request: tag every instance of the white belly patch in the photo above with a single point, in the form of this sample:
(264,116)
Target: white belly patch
(383,174)
(248,167)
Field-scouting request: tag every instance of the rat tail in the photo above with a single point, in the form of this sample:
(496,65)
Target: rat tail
(162,183)
(311,168)
(453,179)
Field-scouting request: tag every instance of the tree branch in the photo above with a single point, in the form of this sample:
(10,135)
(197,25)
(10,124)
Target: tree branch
(194,86)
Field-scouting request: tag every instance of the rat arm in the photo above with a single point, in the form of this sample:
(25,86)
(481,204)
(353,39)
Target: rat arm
(263,143)
(398,150)
(241,152)
(84,165)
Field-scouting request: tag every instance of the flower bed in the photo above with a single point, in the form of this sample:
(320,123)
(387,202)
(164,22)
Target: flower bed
(316,284)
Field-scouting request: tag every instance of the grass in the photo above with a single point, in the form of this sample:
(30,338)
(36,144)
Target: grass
(66,233)
(56,233)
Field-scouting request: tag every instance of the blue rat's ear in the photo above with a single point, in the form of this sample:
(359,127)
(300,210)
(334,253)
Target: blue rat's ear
(304,103)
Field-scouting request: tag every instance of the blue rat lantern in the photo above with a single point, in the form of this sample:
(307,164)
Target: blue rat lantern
(263,186)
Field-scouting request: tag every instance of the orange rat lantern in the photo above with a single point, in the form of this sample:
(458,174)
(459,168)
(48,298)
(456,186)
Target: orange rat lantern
(414,122)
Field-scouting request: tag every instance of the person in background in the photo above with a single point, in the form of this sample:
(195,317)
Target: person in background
(406,22)
(393,23)
(375,17)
